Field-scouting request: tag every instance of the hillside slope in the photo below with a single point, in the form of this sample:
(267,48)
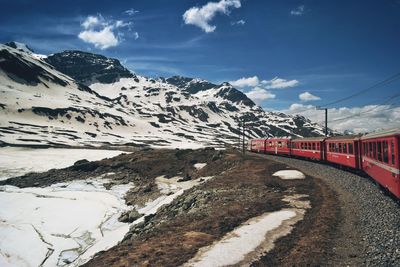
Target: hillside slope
(41,105)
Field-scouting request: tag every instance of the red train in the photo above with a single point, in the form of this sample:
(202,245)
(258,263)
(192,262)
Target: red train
(376,154)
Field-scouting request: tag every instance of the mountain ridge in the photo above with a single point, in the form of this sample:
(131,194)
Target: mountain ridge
(136,110)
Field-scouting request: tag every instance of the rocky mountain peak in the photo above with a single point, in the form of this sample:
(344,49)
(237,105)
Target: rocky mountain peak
(88,68)
(25,68)
(190,85)
(227,92)
(20,46)
(135,110)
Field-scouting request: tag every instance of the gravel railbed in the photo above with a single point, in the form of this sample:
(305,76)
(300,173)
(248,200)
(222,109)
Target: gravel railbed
(377,215)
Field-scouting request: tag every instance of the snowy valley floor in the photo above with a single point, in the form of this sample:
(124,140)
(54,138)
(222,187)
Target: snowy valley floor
(168,208)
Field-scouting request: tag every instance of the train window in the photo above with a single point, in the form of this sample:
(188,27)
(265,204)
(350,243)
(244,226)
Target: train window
(309,146)
(351,148)
(385,152)
(379,150)
(313,146)
(371,150)
(373,154)
(340,148)
(279,144)
(317,146)
(392,151)
(345,148)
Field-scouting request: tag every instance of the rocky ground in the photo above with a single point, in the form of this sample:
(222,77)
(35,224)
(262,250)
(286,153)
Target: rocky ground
(368,230)
(336,230)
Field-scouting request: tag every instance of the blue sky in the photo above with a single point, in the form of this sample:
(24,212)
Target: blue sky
(322,50)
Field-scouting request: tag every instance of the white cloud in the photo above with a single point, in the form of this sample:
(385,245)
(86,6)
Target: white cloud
(121,23)
(91,21)
(278,83)
(239,22)
(306,96)
(258,94)
(103,33)
(246,82)
(298,11)
(202,16)
(102,39)
(358,119)
(131,12)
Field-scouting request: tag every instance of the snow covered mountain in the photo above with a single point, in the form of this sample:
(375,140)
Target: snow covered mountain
(78,98)
(87,68)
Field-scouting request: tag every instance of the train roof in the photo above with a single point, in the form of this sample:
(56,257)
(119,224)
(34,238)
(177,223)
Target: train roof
(344,137)
(382,134)
(317,138)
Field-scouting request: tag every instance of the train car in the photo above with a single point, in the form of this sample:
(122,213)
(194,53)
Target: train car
(343,150)
(257,145)
(380,158)
(311,148)
(277,146)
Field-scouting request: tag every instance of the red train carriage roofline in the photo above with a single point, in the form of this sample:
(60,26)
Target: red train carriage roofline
(315,139)
(350,138)
(385,133)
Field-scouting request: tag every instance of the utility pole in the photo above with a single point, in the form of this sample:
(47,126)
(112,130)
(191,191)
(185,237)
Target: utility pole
(244,148)
(239,133)
(326,118)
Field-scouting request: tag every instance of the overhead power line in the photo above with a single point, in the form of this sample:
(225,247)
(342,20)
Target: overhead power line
(374,86)
(361,113)
(377,85)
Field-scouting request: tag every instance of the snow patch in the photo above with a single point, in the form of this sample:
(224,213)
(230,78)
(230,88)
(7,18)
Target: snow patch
(170,188)
(289,174)
(66,223)
(16,161)
(253,238)
(199,166)
(234,246)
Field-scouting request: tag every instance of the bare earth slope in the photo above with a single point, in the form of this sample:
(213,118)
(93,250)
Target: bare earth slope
(332,227)
(236,190)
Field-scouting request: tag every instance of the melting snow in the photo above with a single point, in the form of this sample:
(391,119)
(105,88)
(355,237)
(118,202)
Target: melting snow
(237,244)
(199,166)
(289,174)
(60,224)
(16,161)
(253,238)
(171,189)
